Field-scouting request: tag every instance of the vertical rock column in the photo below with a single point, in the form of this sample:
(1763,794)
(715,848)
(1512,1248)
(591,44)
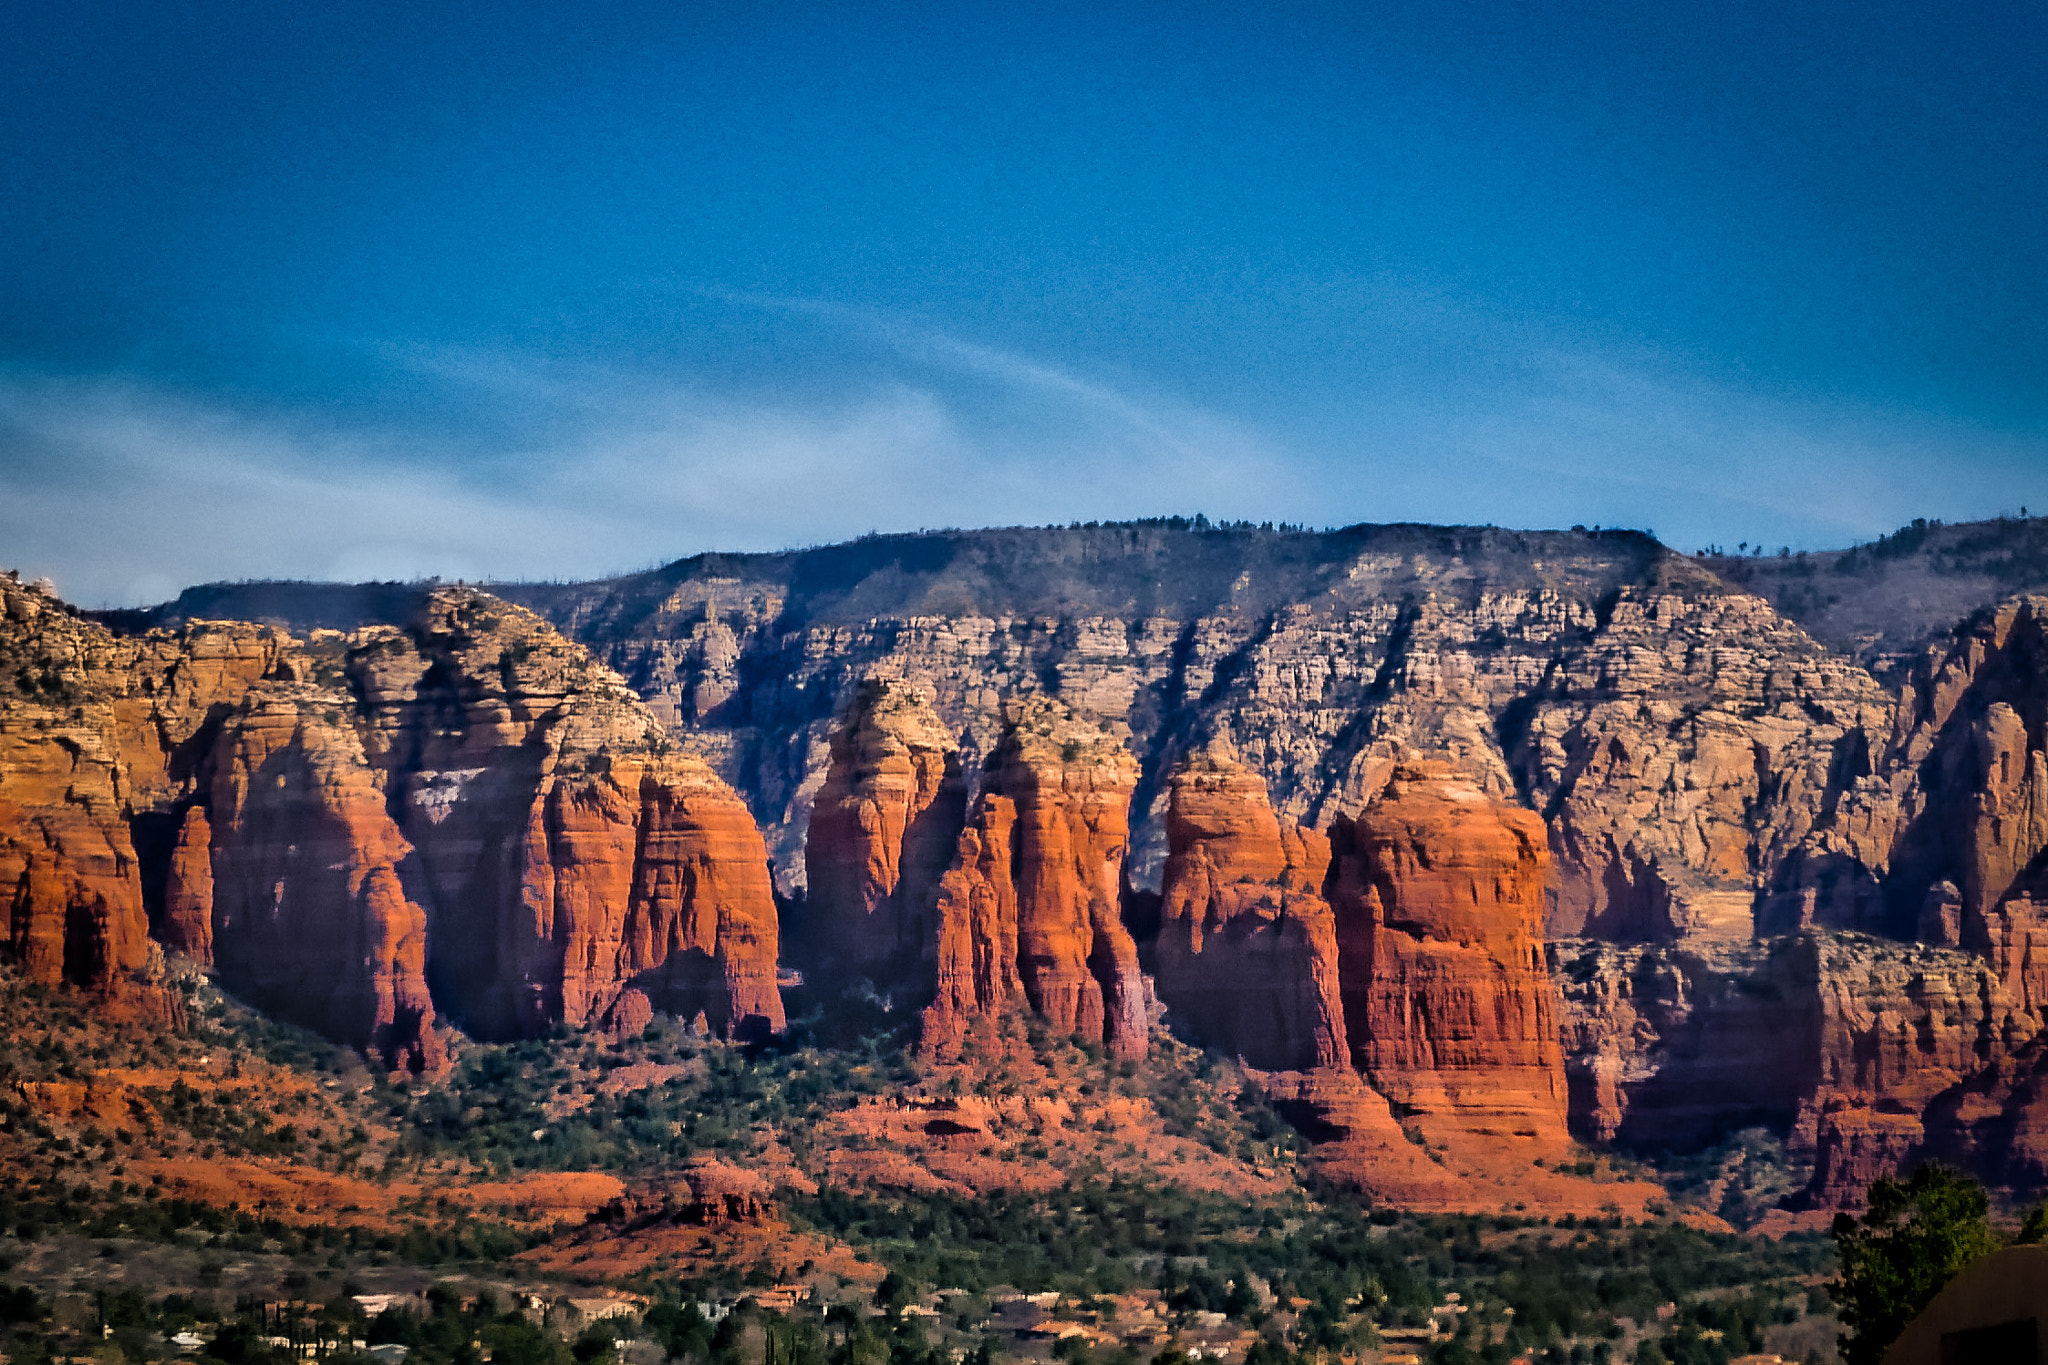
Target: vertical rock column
(883,827)
(1033,900)
(312,917)
(1247,948)
(700,930)
(1438,894)
(188,889)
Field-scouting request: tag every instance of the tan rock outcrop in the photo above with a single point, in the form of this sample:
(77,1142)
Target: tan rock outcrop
(1046,841)
(883,828)
(1247,947)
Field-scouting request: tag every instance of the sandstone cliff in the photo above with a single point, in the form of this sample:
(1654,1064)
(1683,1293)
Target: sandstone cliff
(466,810)
(567,855)
(1247,947)
(1745,830)
(1033,901)
(1438,894)
(97,732)
(882,829)
(311,917)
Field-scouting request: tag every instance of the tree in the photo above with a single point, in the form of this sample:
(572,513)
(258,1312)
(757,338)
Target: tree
(1916,1235)
(2035,1229)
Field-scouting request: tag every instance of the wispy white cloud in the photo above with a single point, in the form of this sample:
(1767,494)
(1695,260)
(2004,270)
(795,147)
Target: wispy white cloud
(126,491)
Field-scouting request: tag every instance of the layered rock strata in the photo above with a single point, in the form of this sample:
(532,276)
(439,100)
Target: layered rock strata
(96,731)
(1247,947)
(883,829)
(311,917)
(466,812)
(1031,908)
(1438,895)
(567,854)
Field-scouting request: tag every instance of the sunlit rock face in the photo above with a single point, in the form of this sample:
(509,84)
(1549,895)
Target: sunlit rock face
(1031,909)
(1438,894)
(1247,947)
(1769,890)
(464,816)
(884,827)
(567,853)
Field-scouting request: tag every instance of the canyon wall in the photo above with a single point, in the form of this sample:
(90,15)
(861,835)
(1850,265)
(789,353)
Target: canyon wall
(1748,838)
(466,813)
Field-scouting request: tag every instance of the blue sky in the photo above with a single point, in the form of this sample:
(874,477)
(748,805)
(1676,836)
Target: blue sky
(383,290)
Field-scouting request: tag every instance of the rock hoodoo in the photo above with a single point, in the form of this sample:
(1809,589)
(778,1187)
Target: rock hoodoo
(883,827)
(1247,947)
(188,888)
(1438,895)
(1032,904)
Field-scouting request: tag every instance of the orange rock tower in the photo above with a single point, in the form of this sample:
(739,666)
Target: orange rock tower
(1032,904)
(883,827)
(1247,945)
(1438,894)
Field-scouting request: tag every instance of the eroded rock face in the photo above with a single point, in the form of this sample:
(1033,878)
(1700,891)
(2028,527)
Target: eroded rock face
(567,854)
(1247,946)
(313,920)
(1672,1046)
(187,925)
(1046,843)
(701,934)
(95,732)
(467,810)
(883,829)
(1866,1054)
(1438,894)
(977,925)
(1973,780)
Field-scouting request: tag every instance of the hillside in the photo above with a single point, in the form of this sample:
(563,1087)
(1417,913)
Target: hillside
(1499,857)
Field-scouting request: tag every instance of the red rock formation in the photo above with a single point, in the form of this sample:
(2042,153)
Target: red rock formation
(312,918)
(700,930)
(1975,810)
(567,859)
(188,889)
(68,877)
(882,829)
(1903,1030)
(977,924)
(1247,948)
(711,1194)
(1438,894)
(1048,837)
(722,1193)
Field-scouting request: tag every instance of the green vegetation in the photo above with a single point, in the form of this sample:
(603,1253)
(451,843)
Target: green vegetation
(1528,1284)
(1916,1235)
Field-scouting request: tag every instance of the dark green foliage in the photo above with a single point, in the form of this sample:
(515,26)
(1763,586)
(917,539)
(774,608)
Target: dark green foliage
(1916,1235)
(19,1304)
(680,1328)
